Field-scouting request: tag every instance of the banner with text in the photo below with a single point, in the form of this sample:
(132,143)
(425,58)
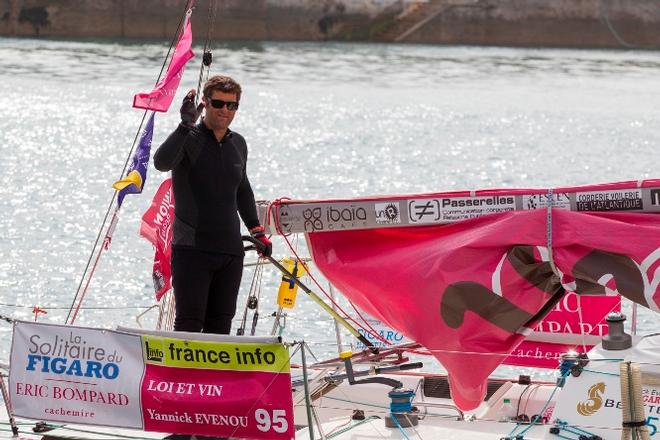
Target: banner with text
(378,333)
(573,315)
(160,383)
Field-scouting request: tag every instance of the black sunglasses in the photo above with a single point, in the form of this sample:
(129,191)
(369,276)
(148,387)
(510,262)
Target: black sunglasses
(218,103)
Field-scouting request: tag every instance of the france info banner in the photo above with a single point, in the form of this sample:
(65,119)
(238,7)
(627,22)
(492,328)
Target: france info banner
(212,385)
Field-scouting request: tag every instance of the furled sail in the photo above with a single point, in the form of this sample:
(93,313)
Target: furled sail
(484,267)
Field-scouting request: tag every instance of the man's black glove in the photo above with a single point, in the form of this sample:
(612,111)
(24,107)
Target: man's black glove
(190,114)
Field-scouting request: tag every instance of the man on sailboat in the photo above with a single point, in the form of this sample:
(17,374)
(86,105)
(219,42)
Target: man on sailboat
(211,187)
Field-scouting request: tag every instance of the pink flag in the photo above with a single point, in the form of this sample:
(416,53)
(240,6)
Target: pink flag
(468,290)
(156,227)
(160,98)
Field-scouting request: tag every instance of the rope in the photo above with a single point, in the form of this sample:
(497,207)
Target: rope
(396,422)
(581,433)
(551,257)
(520,398)
(565,370)
(171,312)
(580,322)
(354,425)
(605,373)
(114,196)
(383,407)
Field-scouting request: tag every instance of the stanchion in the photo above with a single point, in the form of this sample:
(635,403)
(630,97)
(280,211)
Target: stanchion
(10,412)
(308,402)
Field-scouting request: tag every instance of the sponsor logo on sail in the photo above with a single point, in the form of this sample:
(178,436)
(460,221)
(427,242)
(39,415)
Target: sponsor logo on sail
(424,210)
(655,197)
(615,200)
(388,213)
(463,208)
(538,201)
(468,202)
(313,220)
(590,406)
(348,214)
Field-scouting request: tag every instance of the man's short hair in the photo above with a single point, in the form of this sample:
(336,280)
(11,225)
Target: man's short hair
(222,84)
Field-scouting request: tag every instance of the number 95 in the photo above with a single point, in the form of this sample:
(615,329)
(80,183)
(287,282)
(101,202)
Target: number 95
(277,422)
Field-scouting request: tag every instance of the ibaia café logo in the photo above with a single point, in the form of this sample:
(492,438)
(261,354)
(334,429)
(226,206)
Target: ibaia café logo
(590,406)
(336,217)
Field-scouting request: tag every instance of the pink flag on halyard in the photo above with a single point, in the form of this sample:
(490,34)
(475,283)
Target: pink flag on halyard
(466,290)
(156,227)
(160,98)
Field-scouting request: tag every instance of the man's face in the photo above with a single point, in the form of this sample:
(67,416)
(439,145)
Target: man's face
(220,118)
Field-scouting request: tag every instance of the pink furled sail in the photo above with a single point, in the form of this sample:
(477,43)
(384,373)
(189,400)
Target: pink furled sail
(156,227)
(160,98)
(470,290)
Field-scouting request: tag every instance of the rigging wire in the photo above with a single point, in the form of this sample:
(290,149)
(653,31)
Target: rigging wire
(69,318)
(253,300)
(82,308)
(515,435)
(207,57)
(256,301)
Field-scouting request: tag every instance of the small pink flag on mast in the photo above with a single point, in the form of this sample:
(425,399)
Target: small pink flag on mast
(160,98)
(156,227)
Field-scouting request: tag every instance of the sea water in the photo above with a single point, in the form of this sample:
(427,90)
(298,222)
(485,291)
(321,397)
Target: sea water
(322,120)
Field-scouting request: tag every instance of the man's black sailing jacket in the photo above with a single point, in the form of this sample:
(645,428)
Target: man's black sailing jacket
(210,186)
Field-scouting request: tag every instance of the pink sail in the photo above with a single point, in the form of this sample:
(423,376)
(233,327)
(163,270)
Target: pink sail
(436,283)
(160,98)
(156,226)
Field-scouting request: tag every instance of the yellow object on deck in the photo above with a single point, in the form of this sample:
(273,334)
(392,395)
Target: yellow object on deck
(286,296)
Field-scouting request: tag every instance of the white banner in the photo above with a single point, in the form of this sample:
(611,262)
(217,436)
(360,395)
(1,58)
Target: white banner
(73,374)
